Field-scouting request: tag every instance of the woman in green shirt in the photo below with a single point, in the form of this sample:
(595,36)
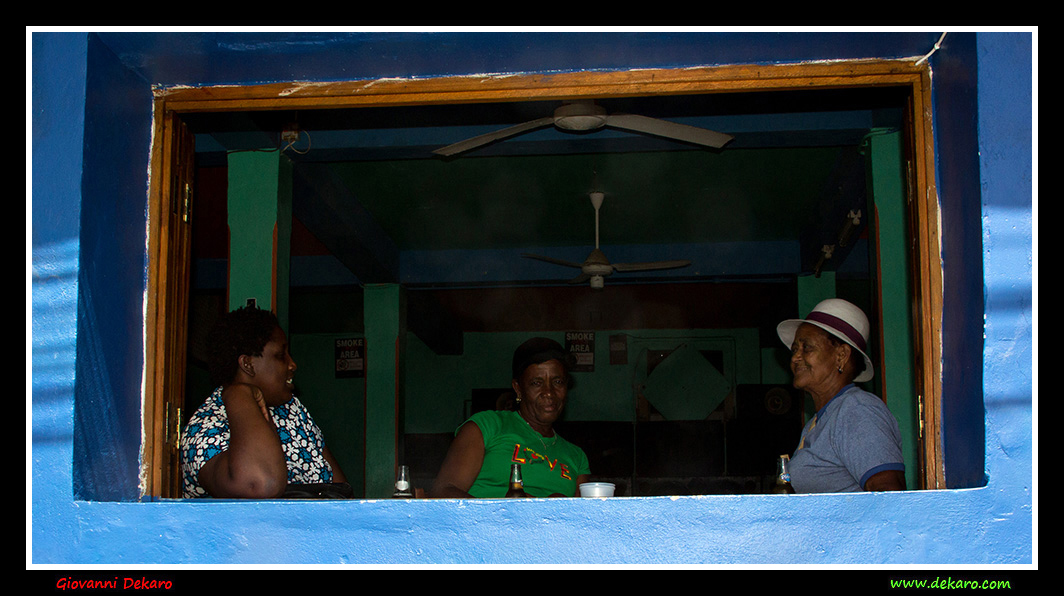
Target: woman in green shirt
(479,459)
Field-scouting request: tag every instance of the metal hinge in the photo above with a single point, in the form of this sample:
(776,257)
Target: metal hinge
(173,425)
(186,204)
(920,414)
(181,200)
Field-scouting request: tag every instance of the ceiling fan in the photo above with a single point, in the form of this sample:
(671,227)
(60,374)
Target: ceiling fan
(596,267)
(586,115)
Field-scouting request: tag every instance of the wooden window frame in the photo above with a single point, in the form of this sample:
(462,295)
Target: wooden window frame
(166,314)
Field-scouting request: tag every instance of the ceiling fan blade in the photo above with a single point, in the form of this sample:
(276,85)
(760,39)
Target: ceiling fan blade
(580,278)
(651,266)
(491,137)
(672,130)
(552,260)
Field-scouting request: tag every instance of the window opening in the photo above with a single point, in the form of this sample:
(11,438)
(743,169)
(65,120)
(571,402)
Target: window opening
(314,299)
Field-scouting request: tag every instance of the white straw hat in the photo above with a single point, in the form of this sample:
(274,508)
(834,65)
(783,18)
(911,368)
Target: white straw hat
(839,318)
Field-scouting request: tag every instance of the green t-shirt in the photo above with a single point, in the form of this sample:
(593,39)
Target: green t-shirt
(548,465)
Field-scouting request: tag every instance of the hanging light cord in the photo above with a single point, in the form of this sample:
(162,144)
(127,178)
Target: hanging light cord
(938,44)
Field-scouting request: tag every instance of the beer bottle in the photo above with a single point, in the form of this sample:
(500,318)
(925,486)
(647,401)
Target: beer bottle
(517,486)
(783,477)
(403,488)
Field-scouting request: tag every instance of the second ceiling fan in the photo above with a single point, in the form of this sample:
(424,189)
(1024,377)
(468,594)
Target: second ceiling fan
(586,115)
(596,267)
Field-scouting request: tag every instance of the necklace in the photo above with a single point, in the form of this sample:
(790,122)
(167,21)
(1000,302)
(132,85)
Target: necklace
(539,436)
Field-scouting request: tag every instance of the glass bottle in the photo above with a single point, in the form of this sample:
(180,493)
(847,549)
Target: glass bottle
(517,486)
(403,488)
(783,477)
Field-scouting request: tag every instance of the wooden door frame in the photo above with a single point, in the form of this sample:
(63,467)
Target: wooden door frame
(166,307)
(170,104)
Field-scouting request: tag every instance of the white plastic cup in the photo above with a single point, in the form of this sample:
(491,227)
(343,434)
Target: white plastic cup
(596,489)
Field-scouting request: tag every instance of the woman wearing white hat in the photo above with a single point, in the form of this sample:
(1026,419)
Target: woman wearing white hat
(852,443)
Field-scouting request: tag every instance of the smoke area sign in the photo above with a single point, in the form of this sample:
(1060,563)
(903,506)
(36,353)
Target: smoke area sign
(350,357)
(581,346)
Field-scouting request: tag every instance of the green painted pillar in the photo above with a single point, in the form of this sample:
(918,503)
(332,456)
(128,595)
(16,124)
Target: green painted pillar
(897,384)
(385,329)
(260,229)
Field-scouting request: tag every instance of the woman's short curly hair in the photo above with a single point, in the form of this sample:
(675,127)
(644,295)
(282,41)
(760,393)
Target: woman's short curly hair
(242,331)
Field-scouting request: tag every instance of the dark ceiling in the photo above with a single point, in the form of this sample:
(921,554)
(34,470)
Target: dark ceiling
(785,184)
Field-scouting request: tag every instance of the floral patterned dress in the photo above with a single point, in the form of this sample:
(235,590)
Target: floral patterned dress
(207,435)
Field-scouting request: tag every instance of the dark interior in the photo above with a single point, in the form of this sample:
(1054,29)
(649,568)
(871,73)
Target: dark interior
(752,217)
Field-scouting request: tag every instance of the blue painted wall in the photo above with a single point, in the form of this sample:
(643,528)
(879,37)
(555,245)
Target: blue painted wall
(91,114)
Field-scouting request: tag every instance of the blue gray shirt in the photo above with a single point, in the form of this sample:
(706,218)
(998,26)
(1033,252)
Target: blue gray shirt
(853,437)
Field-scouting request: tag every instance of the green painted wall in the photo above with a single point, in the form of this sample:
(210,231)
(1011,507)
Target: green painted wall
(813,289)
(895,382)
(337,404)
